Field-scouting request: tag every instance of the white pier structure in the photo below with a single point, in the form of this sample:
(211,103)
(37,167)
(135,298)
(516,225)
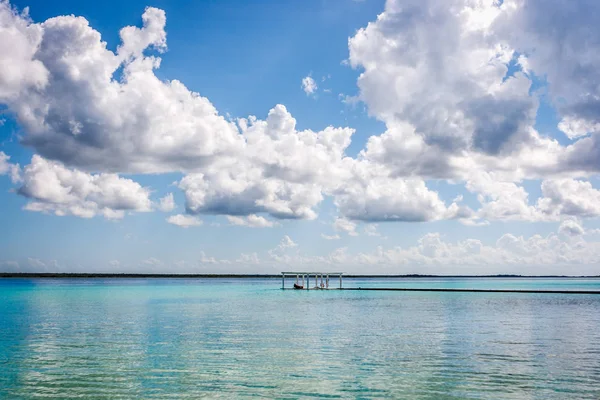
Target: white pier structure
(303,280)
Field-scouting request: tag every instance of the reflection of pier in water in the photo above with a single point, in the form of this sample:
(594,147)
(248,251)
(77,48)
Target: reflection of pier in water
(321,280)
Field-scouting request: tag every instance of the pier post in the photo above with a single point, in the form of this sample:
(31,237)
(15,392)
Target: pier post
(283,281)
(340,281)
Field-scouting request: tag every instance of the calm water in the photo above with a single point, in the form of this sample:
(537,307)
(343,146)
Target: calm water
(180,338)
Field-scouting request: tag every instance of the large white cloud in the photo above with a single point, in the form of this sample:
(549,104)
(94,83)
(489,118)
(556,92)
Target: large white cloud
(451,80)
(283,172)
(76,110)
(569,197)
(560,39)
(372,193)
(54,188)
(19,41)
(436,66)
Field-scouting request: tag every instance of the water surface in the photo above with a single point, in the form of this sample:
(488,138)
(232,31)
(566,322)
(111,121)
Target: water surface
(231,338)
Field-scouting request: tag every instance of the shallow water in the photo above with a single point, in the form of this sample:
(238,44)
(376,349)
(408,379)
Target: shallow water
(193,338)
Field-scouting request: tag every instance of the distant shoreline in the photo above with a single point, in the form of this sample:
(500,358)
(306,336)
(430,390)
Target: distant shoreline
(254,276)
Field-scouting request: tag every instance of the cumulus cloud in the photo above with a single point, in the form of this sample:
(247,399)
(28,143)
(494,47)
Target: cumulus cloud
(252,221)
(571,227)
(371,230)
(152,262)
(560,198)
(84,116)
(309,85)
(373,194)
(576,128)
(561,42)
(569,197)
(7,168)
(344,225)
(19,41)
(283,172)
(285,252)
(451,81)
(434,253)
(167,203)
(184,221)
(287,242)
(36,263)
(434,66)
(501,200)
(59,81)
(248,259)
(54,188)
(330,237)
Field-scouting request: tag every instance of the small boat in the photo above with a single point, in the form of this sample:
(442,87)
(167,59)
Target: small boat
(296,286)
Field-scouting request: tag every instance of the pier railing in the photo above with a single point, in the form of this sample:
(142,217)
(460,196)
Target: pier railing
(303,279)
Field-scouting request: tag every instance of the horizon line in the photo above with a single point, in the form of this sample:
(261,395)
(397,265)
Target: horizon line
(257,275)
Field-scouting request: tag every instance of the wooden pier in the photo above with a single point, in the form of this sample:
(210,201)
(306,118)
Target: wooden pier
(303,280)
(322,281)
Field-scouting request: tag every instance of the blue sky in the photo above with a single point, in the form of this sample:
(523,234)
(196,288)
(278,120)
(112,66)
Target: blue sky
(462,139)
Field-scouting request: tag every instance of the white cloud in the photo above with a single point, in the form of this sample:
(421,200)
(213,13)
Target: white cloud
(561,43)
(283,172)
(371,230)
(576,128)
(435,66)
(36,263)
(559,198)
(4,164)
(167,203)
(252,220)
(372,194)
(287,242)
(501,200)
(7,168)
(136,40)
(571,227)
(204,259)
(435,72)
(248,259)
(19,41)
(569,197)
(184,221)
(54,188)
(345,225)
(330,237)
(286,251)
(9,266)
(57,78)
(309,85)
(433,253)
(153,262)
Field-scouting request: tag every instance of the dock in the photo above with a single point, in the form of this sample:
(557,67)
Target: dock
(303,280)
(322,282)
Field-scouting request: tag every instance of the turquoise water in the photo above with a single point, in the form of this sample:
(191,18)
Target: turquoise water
(194,338)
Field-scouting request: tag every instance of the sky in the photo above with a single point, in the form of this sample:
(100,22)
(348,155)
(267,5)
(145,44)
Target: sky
(374,137)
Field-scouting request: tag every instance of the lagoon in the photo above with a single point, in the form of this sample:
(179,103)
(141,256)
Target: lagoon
(236,338)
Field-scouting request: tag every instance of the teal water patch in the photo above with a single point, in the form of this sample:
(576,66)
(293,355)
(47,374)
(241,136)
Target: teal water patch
(233,338)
